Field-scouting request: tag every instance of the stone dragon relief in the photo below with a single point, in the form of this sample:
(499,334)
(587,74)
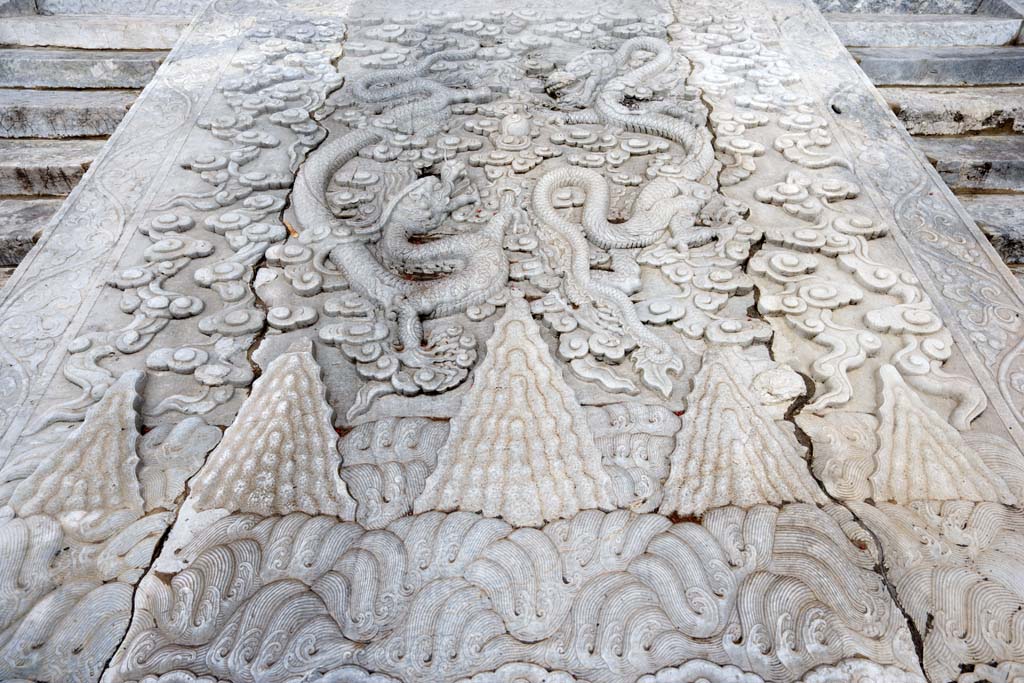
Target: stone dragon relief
(554,345)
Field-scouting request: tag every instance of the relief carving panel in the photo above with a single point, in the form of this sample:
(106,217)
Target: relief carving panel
(568,344)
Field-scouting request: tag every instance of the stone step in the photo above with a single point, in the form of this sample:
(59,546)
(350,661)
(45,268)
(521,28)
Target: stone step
(92,32)
(955,111)
(1001,218)
(31,67)
(942,65)
(923,30)
(44,167)
(898,7)
(181,8)
(979,162)
(21,222)
(62,113)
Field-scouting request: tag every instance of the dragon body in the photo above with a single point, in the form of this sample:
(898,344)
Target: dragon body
(461,270)
(590,81)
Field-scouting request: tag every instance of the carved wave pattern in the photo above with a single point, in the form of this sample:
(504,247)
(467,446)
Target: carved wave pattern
(958,567)
(605,596)
(303,566)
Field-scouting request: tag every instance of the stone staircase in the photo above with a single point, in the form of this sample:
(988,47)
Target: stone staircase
(70,69)
(69,72)
(956,81)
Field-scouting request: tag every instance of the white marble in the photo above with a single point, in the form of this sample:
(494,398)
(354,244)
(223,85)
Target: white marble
(566,343)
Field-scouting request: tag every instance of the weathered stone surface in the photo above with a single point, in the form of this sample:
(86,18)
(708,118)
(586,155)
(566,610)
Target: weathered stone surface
(44,167)
(61,113)
(12,8)
(1002,8)
(92,32)
(900,7)
(21,221)
(923,30)
(56,68)
(978,162)
(181,8)
(596,343)
(942,65)
(955,111)
(5,274)
(1001,218)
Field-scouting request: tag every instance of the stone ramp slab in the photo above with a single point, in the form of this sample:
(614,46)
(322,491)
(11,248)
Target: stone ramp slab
(92,32)
(337,257)
(942,65)
(26,113)
(173,8)
(923,30)
(84,69)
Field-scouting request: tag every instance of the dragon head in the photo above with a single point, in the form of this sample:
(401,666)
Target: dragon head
(419,207)
(422,205)
(577,82)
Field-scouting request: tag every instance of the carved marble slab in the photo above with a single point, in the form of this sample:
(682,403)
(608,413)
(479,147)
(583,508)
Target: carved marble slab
(576,342)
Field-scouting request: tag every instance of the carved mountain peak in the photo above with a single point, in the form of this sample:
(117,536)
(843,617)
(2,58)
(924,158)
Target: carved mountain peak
(280,454)
(520,447)
(90,482)
(921,457)
(730,451)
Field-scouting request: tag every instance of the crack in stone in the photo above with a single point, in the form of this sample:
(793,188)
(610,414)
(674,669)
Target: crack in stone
(324,109)
(254,346)
(804,439)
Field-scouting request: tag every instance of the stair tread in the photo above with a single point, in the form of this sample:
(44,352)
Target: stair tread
(923,30)
(928,66)
(115,32)
(974,147)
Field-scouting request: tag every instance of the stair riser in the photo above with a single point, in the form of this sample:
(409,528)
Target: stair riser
(93,33)
(44,168)
(37,114)
(921,67)
(1004,176)
(1001,218)
(956,111)
(20,221)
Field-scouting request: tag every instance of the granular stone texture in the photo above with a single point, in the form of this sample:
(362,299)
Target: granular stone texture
(577,342)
